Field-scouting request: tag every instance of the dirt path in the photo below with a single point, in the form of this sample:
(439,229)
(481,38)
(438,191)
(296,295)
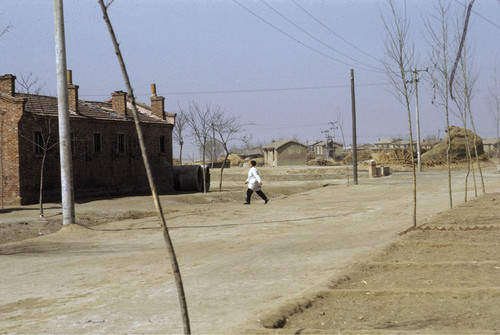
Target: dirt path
(237,262)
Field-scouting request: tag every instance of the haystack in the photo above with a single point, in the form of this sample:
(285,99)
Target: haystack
(395,156)
(363,155)
(458,153)
(235,160)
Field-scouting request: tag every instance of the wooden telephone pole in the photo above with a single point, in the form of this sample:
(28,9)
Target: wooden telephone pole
(354,144)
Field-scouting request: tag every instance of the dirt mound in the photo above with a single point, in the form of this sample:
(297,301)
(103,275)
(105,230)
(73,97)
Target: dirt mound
(458,148)
(363,155)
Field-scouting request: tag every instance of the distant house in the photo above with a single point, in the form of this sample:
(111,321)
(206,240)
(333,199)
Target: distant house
(365,146)
(428,144)
(385,144)
(320,149)
(491,145)
(106,156)
(286,152)
(403,144)
(391,144)
(311,144)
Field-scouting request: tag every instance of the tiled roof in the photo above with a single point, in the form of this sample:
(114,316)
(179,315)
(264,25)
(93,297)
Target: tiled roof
(98,110)
(249,152)
(386,141)
(277,144)
(489,141)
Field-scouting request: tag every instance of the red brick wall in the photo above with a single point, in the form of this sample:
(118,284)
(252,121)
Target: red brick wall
(108,173)
(11,110)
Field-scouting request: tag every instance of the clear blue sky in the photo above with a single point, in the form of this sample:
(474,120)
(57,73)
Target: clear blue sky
(257,62)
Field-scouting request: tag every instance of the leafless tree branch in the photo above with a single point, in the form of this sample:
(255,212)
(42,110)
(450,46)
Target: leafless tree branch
(401,54)
(166,235)
(462,41)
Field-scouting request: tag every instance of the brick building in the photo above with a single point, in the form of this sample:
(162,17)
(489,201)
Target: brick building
(106,156)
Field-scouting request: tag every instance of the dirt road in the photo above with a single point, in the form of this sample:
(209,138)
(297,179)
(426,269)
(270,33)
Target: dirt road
(237,261)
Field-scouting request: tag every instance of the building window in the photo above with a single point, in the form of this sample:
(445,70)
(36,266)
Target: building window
(163,146)
(97,143)
(38,141)
(120,143)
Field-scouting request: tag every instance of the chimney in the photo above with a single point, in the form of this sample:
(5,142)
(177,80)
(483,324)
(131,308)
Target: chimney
(157,103)
(72,92)
(119,101)
(8,84)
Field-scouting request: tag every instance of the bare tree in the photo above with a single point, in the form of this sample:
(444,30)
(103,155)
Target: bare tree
(44,139)
(461,45)
(166,235)
(227,127)
(2,171)
(5,30)
(440,44)
(200,122)
(401,54)
(495,112)
(214,148)
(461,87)
(29,83)
(469,77)
(181,121)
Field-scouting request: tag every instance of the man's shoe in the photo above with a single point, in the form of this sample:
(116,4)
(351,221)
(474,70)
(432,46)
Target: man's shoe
(246,203)
(266,201)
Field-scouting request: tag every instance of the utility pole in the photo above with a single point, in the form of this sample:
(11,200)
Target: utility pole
(415,80)
(354,144)
(326,134)
(333,127)
(213,144)
(68,205)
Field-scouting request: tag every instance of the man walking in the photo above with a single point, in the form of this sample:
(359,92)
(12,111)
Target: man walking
(254,184)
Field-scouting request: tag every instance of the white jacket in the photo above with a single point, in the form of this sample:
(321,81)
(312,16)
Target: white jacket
(253,179)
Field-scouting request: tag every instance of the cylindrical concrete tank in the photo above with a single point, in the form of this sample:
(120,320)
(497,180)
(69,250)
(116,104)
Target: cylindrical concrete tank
(189,178)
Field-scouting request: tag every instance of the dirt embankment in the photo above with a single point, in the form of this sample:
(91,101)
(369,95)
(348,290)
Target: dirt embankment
(443,278)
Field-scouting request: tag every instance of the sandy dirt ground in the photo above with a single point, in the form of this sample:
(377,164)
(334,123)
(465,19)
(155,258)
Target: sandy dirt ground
(315,259)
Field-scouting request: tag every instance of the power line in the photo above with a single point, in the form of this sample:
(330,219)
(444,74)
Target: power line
(272,89)
(298,41)
(333,32)
(313,37)
(251,90)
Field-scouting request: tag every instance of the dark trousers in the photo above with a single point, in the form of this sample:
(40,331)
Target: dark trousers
(260,193)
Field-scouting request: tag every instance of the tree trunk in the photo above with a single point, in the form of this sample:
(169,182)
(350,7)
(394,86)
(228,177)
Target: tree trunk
(1,160)
(166,235)
(180,153)
(204,173)
(222,170)
(42,172)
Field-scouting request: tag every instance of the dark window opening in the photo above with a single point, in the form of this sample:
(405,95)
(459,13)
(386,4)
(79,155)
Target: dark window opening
(120,143)
(38,142)
(163,146)
(97,143)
